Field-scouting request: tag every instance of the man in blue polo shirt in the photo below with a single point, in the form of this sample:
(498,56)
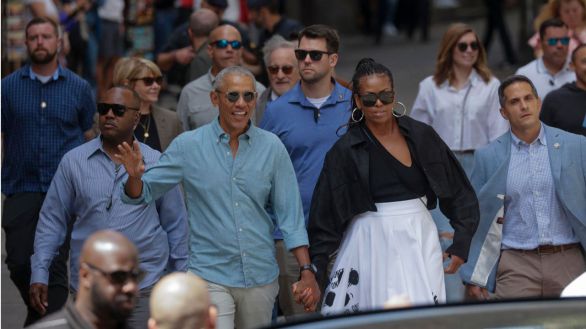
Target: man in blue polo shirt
(307,120)
(46,111)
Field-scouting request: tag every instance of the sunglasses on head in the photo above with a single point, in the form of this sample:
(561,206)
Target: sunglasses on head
(315,55)
(385,96)
(274,69)
(117,109)
(223,43)
(234,96)
(120,277)
(463,46)
(554,41)
(149,81)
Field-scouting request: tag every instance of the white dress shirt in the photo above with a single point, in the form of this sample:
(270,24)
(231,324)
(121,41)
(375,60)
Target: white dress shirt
(465,119)
(543,80)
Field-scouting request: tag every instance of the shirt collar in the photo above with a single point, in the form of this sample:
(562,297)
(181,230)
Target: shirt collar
(296,95)
(58,72)
(473,79)
(518,143)
(221,134)
(541,69)
(95,145)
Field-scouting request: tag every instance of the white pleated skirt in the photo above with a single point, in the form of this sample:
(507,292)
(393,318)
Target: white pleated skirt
(392,253)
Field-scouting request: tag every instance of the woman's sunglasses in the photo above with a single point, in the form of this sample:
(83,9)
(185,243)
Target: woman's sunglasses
(117,109)
(274,69)
(315,55)
(148,81)
(463,46)
(223,43)
(369,100)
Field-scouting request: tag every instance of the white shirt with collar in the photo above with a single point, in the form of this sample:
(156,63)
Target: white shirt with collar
(543,80)
(465,119)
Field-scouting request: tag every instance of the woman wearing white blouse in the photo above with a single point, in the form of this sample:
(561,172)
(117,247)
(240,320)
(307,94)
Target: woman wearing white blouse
(460,101)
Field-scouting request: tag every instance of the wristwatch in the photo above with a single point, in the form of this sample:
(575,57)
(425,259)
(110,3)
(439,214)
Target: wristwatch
(308,267)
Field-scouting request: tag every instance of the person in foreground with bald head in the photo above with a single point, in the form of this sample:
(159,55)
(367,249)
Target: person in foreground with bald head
(181,301)
(109,275)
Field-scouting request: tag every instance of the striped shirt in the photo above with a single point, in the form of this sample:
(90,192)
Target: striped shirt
(86,189)
(40,123)
(533,214)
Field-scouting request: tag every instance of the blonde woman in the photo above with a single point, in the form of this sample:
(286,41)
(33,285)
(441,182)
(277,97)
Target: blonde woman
(157,126)
(571,12)
(460,101)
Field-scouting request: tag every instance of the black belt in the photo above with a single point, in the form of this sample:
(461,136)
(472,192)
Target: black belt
(549,249)
(464,152)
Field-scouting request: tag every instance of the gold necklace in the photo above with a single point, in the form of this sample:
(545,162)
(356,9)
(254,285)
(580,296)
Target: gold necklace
(145,127)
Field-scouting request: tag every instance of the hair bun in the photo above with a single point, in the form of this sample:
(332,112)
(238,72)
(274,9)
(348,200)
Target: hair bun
(365,61)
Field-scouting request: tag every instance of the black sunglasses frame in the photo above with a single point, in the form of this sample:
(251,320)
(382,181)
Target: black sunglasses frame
(274,69)
(463,46)
(120,277)
(314,55)
(117,109)
(223,43)
(148,81)
(234,96)
(369,100)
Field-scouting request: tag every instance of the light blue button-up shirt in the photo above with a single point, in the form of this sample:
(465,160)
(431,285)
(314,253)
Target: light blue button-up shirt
(84,190)
(231,240)
(533,214)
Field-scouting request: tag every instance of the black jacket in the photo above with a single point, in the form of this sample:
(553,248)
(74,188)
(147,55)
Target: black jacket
(343,192)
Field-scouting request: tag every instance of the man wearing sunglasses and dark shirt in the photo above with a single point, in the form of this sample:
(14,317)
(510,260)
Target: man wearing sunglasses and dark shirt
(109,276)
(195,108)
(308,117)
(85,193)
(232,172)
(551,71)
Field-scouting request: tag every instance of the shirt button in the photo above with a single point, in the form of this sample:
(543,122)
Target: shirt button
(243,254)
(236,204)
(240,230)
(233,178)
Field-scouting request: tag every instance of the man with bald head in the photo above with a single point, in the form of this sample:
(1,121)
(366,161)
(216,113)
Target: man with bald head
(181,301)
(109,275)
(85,192)
(232,172)
(195,108)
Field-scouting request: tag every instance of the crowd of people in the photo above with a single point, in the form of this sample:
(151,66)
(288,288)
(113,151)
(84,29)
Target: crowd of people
(309,194)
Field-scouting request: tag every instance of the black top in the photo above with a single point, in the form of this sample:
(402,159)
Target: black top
(152,139)
(390,180)
(565,108)
(67,318)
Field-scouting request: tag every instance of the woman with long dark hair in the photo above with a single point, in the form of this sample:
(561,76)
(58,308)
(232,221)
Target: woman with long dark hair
(371,204)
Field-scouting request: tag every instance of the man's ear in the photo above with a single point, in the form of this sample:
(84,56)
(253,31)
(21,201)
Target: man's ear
(333,60)
(503,114)
(215,98)
(85,277)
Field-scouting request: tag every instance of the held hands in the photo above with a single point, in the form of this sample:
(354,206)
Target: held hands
(131,158)
(307,291)
(454,264)
(185,55)
(476,293)
(38,297)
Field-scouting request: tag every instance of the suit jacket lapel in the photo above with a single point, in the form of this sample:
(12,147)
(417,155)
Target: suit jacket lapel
(554,151)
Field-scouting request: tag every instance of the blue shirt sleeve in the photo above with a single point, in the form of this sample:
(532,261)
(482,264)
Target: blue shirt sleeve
(173,218)
(52,225)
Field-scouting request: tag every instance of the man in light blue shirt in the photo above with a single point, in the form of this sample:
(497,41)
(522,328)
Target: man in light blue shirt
(531,185)
(85,194)
(231,172)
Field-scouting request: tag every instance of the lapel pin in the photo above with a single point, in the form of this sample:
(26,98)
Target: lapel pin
(43,105)
(556,145)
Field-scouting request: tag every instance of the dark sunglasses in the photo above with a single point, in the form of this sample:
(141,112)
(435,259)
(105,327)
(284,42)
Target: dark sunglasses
(149,81)
(315,55)
(120,277)
(117,109)
(234,96)
(275,69)
(223,43)
(554,41)
(462,46)
(385,96)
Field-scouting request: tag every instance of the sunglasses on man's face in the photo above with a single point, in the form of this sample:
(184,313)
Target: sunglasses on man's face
(463,46)
(117,109)
(148,81)
(274,69)
(234,96)
(120,278)
(315,55)
(385,96)
(223,43)
(554,41)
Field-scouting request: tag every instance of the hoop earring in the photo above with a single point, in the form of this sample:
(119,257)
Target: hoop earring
(354,112)
(402,114)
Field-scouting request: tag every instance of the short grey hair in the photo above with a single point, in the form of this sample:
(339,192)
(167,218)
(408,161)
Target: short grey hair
(273,44)
(232,70)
